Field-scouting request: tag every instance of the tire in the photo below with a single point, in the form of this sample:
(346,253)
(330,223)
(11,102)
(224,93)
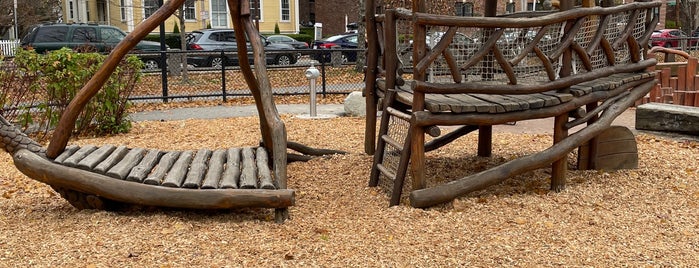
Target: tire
(151,64)
(667,45)
(216,62)
(283,60)
(345,58)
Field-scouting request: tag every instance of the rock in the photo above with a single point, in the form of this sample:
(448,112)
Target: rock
(668,117)
(355,104)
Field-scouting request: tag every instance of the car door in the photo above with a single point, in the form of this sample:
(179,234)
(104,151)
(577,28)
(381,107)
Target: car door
(110,37)
(84,39)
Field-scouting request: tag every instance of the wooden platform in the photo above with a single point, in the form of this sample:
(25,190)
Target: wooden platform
(206,169)
(205,179)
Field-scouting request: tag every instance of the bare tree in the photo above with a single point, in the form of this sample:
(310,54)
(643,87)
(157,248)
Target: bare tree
(30,13)
(180,14)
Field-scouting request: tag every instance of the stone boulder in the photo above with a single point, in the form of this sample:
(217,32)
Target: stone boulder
(355,104)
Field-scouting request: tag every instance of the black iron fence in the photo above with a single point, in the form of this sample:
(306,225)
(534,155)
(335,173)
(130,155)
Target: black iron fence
(215,74)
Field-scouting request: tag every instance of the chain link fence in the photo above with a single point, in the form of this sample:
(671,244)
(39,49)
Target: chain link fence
(339,75)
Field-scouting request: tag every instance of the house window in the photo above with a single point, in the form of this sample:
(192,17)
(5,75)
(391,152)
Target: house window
(219,14)
(71,10)
(256,9)
(190,13)
(122,9)
(510,8)
(463,9)
(149,7)
(285,10)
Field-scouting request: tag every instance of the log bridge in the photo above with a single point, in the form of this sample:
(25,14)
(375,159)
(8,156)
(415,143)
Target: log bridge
(109,176)
(582,66)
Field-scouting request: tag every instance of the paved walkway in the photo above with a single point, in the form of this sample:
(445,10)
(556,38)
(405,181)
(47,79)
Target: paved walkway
(542,126)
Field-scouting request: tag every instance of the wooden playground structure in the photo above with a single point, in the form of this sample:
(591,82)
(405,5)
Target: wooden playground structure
(677,78)
(580,65)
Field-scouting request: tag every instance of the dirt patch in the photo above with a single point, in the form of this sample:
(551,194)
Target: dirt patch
(643,217)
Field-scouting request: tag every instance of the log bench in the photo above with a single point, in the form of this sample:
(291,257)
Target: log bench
(581,66)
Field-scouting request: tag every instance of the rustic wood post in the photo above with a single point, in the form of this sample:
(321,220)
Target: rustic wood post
(485,132)
(560,166)
(417,143)
(370,76)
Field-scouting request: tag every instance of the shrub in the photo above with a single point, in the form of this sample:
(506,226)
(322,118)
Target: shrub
(276,28)
(59,75)
(176,29)
(172,40)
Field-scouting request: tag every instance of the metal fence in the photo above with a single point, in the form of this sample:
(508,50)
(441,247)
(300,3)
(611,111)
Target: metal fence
(7,47)
(338,71)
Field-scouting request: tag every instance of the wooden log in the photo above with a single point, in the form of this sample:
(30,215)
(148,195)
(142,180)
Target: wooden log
(164,165)
(231,176)
(70,150)
(248,176)
(50,173)
(262,163)
(178,171)
(112,159)
(96,157)
(130,160)
(197,169)
(215,171)
(667,117)
(81,153)
(139,172)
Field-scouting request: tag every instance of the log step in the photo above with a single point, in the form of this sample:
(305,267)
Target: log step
(244,168)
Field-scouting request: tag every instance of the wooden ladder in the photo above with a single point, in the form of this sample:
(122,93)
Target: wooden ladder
(393,142)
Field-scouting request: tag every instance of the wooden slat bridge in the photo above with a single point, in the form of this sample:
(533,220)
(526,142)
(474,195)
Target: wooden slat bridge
(582,66)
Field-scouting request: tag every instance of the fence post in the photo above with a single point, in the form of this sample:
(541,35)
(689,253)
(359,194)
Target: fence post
(223,76)
(322,70)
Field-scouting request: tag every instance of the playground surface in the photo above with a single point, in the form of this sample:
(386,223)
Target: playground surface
(643,217)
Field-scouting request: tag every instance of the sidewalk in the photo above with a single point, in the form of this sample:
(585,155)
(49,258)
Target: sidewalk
(537,126)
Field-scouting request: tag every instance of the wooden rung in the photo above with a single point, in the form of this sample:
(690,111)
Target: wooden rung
(96,157)
(386,172)
(139,172)
(112,159)
(265,174)
(248,176)
(197,169)
(231,176)
(177,173)
(130,160)
(83,152)
(165,163)
(392,142)
(215,171)
(398,114)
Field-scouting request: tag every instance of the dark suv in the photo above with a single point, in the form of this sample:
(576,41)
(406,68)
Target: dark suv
(217,40)
(86,38)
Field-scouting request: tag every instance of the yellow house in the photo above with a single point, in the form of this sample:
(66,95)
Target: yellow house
(126,14)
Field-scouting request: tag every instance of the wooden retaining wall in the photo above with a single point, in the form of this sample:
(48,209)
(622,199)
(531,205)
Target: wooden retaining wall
(677,81)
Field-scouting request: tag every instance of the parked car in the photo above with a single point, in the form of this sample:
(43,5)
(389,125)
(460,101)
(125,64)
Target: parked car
(86,38)
(283,39)
(217,40)
(343,41)
(667,38)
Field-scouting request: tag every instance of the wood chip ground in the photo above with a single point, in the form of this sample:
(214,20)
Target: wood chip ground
(646,217)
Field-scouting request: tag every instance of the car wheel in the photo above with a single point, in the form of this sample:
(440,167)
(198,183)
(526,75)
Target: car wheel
(668,45)
(283,59)
(345,58)
(151,65)
(216,62)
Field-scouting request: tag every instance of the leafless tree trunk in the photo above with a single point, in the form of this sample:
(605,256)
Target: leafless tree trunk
(183,43)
